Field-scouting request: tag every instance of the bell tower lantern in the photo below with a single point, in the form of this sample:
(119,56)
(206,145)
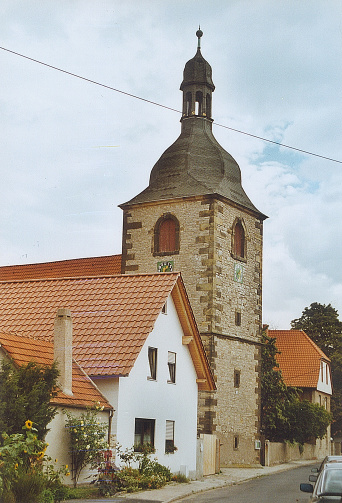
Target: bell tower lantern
(197,85)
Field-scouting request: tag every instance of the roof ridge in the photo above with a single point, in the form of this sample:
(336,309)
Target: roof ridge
(318,349)
(29,337)
(309,340)
(61,260)
(99,276)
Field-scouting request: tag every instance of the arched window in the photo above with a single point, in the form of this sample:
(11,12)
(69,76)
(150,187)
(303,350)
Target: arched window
(188,104)
(208,105)
(166,235)
(239,240)
(199,103)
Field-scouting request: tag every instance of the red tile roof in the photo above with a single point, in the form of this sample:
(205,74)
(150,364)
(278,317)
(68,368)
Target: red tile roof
(300,358)
(112,316)
(24,350)
(93,266)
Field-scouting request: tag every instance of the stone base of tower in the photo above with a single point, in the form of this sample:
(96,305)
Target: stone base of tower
(232,413)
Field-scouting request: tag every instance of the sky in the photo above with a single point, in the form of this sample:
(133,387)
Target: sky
(72,151)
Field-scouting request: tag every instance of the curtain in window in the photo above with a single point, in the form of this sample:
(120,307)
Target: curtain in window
(172,366)
(152,359)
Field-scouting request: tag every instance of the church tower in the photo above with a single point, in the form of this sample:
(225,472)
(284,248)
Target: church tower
(195,217)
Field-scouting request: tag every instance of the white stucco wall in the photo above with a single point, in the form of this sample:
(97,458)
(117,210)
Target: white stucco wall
(59,445)
(136,396)
(324,380)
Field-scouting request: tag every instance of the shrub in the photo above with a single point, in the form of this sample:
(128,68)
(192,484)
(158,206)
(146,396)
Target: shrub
(22,474)
(180,478)
(149,474)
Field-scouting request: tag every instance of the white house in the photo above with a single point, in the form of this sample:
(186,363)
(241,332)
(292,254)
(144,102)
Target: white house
(157,401)
(136,337)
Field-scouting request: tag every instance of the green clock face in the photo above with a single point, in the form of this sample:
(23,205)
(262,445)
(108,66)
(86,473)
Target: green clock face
(238,272)
(165,266)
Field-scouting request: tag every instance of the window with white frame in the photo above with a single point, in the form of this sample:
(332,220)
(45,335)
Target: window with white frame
(152,360)
(143,432)
(171,361)
(170,437)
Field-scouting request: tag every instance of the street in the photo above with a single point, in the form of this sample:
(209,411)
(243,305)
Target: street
(281,487)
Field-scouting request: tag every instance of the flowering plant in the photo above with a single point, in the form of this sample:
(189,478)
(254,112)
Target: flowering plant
(22,472)
(87,439)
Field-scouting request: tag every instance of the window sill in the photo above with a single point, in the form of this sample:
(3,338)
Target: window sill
(240,259)
(165,254)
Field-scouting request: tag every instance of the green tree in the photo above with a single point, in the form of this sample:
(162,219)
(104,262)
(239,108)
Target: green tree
(275,395)
(25,394)
(321,323)
(306,421)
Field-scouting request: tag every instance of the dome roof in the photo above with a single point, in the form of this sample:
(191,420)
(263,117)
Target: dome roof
(197,71)
(194,165)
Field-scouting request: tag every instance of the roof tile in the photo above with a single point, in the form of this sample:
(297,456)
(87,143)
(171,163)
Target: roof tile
(25,349)
(299,358)
(104,312)
(92,266)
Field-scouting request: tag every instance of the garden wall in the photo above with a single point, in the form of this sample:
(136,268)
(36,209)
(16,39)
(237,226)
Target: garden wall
(277,452)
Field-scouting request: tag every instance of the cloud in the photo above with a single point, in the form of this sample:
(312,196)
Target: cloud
(72,151)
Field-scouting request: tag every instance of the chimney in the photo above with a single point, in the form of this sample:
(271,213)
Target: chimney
(62,349)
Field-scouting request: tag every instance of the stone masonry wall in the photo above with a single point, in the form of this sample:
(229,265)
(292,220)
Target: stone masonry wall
(207,266)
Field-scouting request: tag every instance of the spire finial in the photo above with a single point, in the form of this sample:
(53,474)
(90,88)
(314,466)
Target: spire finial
(199,34)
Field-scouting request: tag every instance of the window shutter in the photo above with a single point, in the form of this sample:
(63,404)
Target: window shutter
(171,357)
(170,437)
(167,236)
(170,426)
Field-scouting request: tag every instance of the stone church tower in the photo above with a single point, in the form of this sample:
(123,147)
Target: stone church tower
(195,217)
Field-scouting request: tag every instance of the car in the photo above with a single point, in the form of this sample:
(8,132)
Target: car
(326,460)
(328,488)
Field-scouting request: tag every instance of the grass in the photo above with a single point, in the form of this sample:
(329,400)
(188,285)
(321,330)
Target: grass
(85,491)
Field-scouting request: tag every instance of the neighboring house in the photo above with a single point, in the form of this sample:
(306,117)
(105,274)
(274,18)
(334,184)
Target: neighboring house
(305,366)
(136,337)
(76,390)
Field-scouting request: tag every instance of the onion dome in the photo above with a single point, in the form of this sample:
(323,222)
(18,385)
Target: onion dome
(196,164)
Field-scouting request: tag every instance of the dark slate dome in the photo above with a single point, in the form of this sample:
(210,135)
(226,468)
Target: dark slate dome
(195,164)
(197,71)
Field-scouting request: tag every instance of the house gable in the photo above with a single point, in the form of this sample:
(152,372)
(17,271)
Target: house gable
(302,362)
(112,317)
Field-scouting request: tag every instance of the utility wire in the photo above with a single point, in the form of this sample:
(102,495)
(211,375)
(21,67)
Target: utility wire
(168,108)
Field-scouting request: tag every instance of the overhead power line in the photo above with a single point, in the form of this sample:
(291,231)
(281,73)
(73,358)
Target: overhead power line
(166,107)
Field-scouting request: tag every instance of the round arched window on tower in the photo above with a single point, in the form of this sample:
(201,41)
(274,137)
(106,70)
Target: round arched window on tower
(239,240)
(166,235)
